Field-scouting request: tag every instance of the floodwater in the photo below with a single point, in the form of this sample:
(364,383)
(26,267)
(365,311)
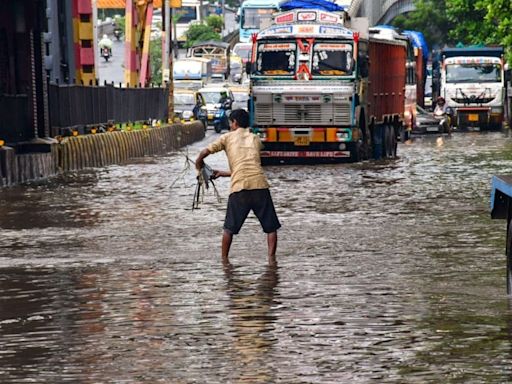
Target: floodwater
(389,272)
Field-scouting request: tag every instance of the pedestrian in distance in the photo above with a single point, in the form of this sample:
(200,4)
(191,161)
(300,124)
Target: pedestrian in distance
(249,189)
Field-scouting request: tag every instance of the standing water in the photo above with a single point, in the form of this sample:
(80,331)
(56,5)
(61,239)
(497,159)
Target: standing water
(389,272)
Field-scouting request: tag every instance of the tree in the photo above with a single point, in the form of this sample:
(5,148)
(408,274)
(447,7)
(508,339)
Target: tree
(449,22)
(487,22)
(155,61)
(215,22)
(200,32)
(429,18)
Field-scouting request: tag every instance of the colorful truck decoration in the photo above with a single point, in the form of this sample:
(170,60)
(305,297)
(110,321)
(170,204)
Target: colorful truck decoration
(322,92)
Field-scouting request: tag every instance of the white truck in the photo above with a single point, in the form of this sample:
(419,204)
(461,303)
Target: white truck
(192,72)
(473,85)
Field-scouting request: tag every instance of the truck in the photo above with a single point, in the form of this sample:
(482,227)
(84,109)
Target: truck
(192,73)
(472,81)
(189,13)
(322,92)
(218,52)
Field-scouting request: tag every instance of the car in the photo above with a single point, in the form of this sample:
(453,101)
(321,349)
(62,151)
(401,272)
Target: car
(212,96)
(425,122)
(241,95)
(184,103)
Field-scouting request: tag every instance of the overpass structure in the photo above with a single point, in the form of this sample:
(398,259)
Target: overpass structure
(379,11)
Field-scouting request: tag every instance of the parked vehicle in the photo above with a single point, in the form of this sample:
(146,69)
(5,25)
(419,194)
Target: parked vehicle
(314,95)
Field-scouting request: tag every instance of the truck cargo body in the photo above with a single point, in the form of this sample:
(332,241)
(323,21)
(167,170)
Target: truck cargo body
(390,36)
(192,73)
(473,85)
(315,96)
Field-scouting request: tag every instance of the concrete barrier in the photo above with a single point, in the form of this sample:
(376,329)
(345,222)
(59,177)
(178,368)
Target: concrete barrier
(74,153)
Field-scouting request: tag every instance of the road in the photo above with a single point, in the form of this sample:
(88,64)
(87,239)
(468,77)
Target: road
(389,272)
(113,70)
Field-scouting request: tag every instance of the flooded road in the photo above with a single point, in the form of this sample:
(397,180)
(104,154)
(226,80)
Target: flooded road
(389,272)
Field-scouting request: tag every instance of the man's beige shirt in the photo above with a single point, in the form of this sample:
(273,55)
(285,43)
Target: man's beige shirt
(242,148)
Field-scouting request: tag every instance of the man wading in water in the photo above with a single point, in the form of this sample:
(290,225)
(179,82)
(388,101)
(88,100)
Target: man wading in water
(249,186)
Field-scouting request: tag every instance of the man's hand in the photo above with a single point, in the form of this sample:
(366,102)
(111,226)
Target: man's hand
(217,173)
(200,158)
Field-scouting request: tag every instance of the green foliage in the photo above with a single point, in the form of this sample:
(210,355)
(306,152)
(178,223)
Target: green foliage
(200,32)
(430,19)
(487,22)
(120,23)
(448,22)
(215,22)
(155,61)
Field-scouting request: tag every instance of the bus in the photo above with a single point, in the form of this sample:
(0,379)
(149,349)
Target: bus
(189,13)
(254,16)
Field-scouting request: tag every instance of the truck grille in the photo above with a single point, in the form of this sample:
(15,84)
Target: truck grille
(305,115)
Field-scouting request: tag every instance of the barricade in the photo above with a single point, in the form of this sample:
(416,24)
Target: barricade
(74,153)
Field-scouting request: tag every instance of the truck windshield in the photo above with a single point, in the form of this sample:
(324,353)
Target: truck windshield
(332,59)
(276,59)
(470,73)
(256,17)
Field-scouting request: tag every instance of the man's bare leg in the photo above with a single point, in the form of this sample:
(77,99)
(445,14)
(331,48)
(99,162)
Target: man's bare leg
(227,238)
(272,247)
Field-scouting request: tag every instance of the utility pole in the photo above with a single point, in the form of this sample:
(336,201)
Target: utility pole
(168,61)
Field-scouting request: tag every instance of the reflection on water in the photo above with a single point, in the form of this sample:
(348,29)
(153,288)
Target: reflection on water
(250,310)
(389,272)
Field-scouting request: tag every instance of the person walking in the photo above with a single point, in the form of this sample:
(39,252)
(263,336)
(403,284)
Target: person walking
(249,189)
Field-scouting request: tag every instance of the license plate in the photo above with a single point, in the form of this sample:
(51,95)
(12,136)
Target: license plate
(432,129)
(210,116)
(473,117)
(301,140)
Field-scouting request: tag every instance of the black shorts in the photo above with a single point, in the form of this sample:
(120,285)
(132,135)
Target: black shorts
(257,200)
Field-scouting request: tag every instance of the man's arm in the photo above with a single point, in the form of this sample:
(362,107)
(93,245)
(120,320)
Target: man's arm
(200,158)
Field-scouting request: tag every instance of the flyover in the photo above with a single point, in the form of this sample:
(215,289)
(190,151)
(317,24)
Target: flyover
(380,11)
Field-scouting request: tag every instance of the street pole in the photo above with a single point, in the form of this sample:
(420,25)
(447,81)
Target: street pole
(167,43)
(169,61)
(223,17)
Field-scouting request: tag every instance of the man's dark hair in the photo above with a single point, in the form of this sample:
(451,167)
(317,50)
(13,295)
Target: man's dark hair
(241,117)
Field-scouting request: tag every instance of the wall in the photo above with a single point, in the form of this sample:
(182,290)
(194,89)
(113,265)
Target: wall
(94,150)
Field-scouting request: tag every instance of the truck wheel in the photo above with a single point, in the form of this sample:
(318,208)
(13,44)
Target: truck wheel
(217,127)
(394,141)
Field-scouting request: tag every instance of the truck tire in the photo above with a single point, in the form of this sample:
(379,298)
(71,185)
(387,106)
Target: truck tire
(217,127)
